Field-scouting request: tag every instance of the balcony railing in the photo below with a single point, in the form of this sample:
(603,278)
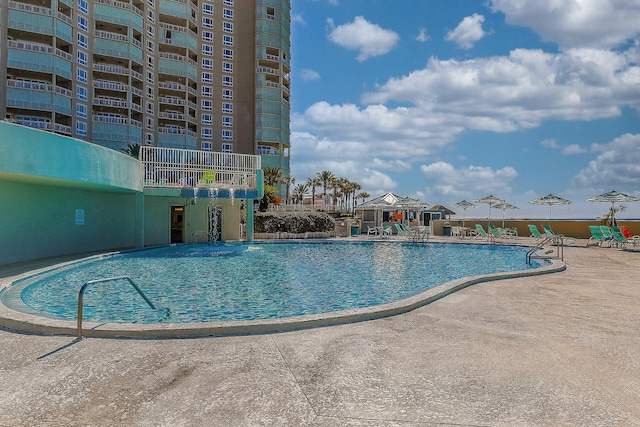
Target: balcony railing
(172,167)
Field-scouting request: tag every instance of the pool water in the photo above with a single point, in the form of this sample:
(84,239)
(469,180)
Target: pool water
(202,283)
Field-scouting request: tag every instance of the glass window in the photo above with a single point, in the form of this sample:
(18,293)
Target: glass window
(82,58)
(227,40)
(83,41)
(206,133)
(227,81)
(207,119)
(81,92)
(151,16)
(83,23)
(207,49)
(207,91)
(207,8)
(227,121)
(207,22)
(228,2)
(207,36)
(227,53)
(207,77)
(207,105)
(227,67)
(150,77)
(207,146)
(207,63)
(81,128)
(227,135)
(227,27)
(81,75)
(227,94)
(150,46)
(227,13)
(81,111)
(150,61)
(83,6)
(227,148)
(227,107)
(151,30)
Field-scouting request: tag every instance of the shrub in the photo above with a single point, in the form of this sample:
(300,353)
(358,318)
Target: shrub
(274,222)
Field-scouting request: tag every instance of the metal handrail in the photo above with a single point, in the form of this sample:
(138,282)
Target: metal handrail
(556,239)
(109,279)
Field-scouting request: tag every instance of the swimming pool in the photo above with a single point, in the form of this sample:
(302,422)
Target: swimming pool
(239,282)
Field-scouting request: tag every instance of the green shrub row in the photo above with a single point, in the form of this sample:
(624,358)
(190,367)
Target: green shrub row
(275,222)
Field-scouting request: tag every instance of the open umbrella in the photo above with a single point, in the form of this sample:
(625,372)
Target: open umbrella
(464,205)
(490,200)
(550,199)
(613,197)
(504,206)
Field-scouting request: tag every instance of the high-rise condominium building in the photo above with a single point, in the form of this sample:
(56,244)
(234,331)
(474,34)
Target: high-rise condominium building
(195,74)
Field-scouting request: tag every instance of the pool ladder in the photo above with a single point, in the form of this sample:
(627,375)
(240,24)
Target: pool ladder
(109,279)
(556,240)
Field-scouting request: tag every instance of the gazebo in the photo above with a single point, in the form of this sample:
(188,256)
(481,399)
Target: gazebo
(390,208)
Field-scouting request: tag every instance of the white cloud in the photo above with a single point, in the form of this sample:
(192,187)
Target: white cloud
(393,164)
(296,17)
(617,166)
(422,35)
(472,181)
(361,35)
(467,32)
(566,149)
(521,90)
(309,75)
(575,23)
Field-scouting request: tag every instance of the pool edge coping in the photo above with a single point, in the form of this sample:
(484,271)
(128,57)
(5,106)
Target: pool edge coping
(23,322)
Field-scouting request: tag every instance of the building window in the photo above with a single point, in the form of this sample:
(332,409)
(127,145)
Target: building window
(228,2)
(83,6)
(207,36)
(227,67)
(227,107)
(207,22)
(151,16)
(81,111)
(207,91)
(227,148)
(227,135)
(82,58)
(83,41)
(148,138)
(227,94)
(207,105)
(151,3)
(150,93)
(81,92)
(83,23)
(151,46)
(227,14)
(207,49)
(150,77)
(206,146)
(150,107)
(206,133)
(227,121)
(151,31)
(207,119)
(227,40)
(81,128)
(150,61)
(227,81)
(227,53)
(227,27)
(207,8)
(207,77)
(81,75)
(207,63)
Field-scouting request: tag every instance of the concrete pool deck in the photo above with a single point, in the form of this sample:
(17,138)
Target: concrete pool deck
(561,349)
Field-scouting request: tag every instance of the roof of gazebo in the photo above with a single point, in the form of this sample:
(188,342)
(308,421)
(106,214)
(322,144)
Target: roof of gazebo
(391,201)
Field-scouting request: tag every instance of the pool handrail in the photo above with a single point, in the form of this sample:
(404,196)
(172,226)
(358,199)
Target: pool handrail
(108,279)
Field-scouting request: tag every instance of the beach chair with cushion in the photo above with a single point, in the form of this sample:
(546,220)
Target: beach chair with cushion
(535,233)
(621,241)
(626,233)
(597,238)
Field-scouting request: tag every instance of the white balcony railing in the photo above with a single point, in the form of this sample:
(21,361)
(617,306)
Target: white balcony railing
(172,167)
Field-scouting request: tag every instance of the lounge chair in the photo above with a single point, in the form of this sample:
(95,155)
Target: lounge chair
(480,233)
(386,231)
(548,230)
(626,233)
(402,229)
(455,232)
(606,232)
(372,231)
(621,241)
(597,238)
(497,232)
(419,234)
(535,233)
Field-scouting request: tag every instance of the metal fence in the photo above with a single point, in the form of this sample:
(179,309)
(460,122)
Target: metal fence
(174,167)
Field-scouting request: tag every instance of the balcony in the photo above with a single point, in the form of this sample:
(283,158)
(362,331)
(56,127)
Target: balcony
(172,167)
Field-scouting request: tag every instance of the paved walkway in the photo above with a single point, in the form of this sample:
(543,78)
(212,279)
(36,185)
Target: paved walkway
(554,350)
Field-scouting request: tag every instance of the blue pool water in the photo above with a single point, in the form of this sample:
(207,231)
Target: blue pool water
(201,283)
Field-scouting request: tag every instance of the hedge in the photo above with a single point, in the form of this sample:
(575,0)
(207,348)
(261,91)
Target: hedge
(303,222)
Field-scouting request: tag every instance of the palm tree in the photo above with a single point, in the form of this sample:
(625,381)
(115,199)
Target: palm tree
(272,176)
(313,183)
(325,178)
(288,181)
(133,150)
(299,191)
(363,195)
(352,188)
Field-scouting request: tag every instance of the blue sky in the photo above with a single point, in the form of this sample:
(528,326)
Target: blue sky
(446,100)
